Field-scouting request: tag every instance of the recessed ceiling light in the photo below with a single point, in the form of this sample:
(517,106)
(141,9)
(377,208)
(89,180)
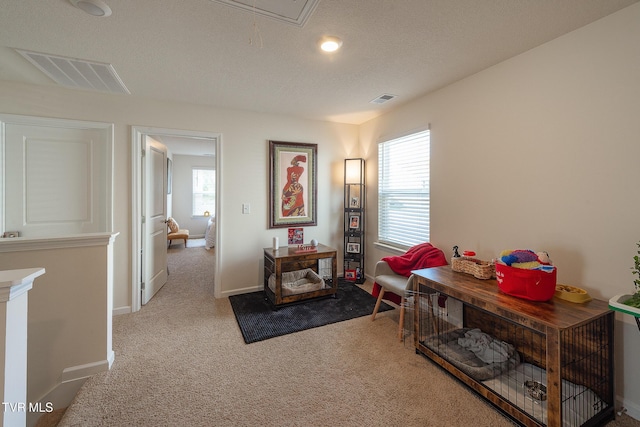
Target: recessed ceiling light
(330,43)
(93,7)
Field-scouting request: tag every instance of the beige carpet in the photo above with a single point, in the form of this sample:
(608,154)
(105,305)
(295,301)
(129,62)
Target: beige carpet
(182,361)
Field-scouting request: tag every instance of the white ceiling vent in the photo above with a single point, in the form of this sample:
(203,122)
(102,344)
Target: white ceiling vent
(295,12)
(77,73)
(382,99)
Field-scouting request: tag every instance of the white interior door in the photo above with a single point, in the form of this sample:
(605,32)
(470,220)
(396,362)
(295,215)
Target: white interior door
(154,240)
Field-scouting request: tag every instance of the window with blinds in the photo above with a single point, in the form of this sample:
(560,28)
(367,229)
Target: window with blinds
(403,190)
(203,191)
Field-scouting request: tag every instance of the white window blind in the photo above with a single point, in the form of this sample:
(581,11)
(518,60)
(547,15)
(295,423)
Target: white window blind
(204,191)
(403,190)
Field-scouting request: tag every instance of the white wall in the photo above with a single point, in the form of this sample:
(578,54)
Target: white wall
(541,152)
(244,175)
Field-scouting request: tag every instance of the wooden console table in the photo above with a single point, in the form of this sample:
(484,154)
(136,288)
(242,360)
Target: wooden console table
(572,343)
(286,259)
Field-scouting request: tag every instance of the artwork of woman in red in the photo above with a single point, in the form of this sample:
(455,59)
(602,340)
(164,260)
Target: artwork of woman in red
(293,192)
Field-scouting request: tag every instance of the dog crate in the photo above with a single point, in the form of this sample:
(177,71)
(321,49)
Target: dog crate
(541,363)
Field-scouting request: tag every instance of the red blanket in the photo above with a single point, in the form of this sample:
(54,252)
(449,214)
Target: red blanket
(420,256)
(424,255)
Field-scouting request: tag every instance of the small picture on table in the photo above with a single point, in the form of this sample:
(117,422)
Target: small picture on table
(353,248)
(354,202)
(296,236)
(350,275)
(354,222)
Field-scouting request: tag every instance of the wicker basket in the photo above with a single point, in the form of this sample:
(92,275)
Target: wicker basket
(479,269)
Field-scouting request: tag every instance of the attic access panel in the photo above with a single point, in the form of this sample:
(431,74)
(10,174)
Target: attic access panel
(295,12)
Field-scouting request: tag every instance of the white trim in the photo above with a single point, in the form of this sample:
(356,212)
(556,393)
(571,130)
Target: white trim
(59,396)
(244,290)
(3,169)
(53,122)
(86,370)
(632,409)
(388,247)
(398,135)
(136,204)
(121,310)
(69,384)
(73,241)
(14,283)
(63,124)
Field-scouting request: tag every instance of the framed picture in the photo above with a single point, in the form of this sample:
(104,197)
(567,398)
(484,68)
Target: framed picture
(354,222)
(169,175)
(353,248)
(295,236)
(350,275)
(354,202)
(292,184)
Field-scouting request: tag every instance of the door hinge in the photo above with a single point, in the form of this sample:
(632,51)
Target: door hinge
(144,152)
(144,220)
(142,286)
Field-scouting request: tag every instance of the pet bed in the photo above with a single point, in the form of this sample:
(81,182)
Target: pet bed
(298,282)
(579,403)
(466,348)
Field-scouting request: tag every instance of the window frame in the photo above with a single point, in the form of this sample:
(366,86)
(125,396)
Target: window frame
(416,199)
(193,192)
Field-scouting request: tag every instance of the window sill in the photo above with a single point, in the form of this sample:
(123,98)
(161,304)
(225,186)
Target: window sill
(390,248)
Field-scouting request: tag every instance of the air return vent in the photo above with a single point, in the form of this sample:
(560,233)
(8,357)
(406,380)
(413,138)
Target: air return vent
(77,73)
(382,99)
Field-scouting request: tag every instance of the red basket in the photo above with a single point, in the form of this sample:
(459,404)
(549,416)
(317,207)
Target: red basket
(534,285)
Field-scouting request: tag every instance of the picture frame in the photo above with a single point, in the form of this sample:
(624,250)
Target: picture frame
(354,202)
(293,189)
(350,275)
(353,248)
(354,222)
(295,236)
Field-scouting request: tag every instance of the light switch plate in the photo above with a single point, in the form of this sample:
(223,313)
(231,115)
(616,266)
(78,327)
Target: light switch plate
(246,208)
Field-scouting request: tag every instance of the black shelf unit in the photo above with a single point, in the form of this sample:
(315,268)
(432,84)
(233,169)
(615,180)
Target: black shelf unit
(354,220)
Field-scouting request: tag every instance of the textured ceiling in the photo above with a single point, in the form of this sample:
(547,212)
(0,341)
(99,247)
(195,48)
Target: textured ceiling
(205,52)
(294,12)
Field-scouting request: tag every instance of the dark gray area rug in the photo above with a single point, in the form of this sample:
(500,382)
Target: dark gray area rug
(259,320)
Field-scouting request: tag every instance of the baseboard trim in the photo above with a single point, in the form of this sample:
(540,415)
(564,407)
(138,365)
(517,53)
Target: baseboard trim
(121,310)
(83,371)
(65,391)
(60,397)
(630,408)
(242,291)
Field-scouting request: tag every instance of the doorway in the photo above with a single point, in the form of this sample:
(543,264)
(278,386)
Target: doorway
(179,142)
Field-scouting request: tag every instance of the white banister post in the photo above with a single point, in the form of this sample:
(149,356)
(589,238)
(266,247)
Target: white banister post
(14,286)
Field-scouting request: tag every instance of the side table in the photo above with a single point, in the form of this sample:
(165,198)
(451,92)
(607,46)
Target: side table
(285,259)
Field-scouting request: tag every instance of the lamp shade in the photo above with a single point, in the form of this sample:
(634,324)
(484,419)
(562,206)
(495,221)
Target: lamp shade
(354,171)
